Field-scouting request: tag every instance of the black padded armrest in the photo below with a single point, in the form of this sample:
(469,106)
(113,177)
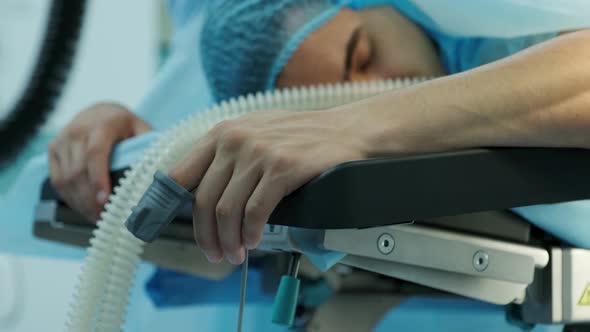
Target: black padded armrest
(385,191)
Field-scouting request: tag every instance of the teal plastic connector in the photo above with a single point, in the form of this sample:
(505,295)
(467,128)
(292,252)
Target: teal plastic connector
(285,304)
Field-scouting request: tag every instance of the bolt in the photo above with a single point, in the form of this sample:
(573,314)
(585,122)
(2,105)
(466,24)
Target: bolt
(385,243)
(481,260)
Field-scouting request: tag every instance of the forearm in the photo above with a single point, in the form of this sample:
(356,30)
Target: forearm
(538,97)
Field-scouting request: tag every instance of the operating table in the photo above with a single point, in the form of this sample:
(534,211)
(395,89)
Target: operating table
(441,221)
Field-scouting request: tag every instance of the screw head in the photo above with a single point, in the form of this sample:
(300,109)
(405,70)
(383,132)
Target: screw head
(385,243)
(481,260)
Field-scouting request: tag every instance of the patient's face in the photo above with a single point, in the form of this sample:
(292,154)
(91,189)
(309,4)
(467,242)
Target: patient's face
(376,43)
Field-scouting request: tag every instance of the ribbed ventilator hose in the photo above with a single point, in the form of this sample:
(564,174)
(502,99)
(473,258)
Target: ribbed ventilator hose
(107,275)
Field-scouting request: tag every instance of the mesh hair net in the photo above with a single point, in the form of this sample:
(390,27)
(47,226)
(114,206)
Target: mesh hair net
(246,43)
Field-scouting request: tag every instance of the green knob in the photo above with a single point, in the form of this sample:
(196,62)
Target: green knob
(286,301)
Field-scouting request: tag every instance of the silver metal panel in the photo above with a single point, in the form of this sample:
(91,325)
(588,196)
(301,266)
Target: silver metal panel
(442,250)
(576,285)
(494,291)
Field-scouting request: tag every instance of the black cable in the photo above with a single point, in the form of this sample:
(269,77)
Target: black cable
(51,70)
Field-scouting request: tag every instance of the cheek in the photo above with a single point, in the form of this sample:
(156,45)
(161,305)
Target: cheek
(397,57)
(392,59)
(393,65)
(310,70)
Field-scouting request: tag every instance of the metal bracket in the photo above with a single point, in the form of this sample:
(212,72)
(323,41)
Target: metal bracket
(477,267)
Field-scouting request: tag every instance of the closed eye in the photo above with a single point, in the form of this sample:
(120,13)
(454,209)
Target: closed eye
(350,49)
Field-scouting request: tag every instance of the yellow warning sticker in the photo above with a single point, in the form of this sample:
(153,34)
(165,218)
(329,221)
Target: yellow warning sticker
(585,299)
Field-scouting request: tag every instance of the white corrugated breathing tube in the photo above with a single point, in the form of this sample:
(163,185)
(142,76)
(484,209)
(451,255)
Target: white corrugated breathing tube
(107,275)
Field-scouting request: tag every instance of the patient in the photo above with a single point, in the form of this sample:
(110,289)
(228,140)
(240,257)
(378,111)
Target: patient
(536,97)
(350,46)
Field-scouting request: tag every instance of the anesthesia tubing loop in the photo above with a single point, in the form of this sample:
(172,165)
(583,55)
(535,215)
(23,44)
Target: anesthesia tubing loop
(106,278)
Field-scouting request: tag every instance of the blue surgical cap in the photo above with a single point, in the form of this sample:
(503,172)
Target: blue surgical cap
(246,43)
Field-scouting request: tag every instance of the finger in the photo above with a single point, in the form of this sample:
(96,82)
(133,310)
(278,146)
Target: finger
(208,194)
(260,205)
(205,234)
(68,177)
(80,186)
(58,173)
(230,211)
(98,152)
(189,172)
(77,166)
(65,161)
(55,173)
(81,195)
(140,127)
(71,155)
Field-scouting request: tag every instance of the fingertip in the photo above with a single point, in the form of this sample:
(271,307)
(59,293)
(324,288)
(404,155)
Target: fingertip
(251,244)
(92,216)
(101,197)
(213,257)
(99,212)
(142,127)
(237,257)
(251,235)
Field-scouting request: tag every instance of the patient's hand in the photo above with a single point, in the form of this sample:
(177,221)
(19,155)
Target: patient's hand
(244,167)
(79,156)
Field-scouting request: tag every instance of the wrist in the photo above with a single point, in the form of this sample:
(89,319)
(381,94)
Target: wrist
(391,124)
(364,125)
(429,117)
